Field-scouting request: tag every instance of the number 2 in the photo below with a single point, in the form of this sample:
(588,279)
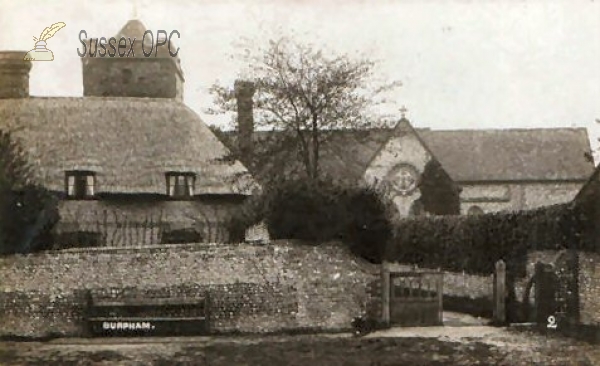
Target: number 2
(551,322)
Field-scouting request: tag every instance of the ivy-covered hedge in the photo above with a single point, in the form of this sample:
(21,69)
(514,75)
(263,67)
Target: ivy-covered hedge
(320,211)
(474,243)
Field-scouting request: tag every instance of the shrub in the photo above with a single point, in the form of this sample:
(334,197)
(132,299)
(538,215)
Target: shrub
(28,212)
(320,211)
(27,217)
(80,239)
(439,194)
(306,210)
(250,213)
(181,236)
(474,243)
(368,227)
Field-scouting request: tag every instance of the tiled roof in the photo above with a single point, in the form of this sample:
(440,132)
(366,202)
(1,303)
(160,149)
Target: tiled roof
(512,155)
(541,154)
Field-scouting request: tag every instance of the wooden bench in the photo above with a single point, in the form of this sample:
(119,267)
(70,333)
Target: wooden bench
(135,316)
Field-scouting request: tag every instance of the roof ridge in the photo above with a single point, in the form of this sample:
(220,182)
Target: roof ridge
(496,130)
(101,98)
(429,129)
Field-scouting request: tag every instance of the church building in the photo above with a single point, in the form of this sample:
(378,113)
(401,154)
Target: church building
(493,169)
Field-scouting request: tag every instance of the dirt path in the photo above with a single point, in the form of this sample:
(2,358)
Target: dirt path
(462,345)
(519,345)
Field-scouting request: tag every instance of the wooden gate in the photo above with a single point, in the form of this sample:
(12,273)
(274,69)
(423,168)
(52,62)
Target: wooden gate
(415,298)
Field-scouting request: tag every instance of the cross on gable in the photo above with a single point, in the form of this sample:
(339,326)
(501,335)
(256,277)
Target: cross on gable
(135,10)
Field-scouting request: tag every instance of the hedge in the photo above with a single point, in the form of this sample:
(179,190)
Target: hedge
(474,243)
(320,211)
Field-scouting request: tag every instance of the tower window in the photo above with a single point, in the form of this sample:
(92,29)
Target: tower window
(80,184)
(180,184)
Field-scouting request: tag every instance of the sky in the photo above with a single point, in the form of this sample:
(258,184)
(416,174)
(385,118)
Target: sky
(463,64)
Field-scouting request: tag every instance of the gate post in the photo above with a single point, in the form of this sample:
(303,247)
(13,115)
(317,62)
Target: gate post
(385,293)
(500,292)
(545,293)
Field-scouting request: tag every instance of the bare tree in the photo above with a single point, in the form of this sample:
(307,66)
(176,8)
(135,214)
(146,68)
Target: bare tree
(304,95)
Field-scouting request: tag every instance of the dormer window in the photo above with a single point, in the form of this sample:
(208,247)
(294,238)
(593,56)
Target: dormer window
(180,184)
(80,184)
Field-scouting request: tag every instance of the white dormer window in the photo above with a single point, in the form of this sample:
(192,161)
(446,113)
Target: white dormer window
(180,184)
(80,184)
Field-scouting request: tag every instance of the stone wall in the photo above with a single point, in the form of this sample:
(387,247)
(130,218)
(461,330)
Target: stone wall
(131,77)
(589,289)
(253,288)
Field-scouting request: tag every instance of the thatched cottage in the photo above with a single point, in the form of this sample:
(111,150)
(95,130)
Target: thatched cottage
(133,163)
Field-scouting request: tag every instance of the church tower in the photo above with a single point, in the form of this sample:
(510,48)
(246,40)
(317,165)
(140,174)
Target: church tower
(157,76)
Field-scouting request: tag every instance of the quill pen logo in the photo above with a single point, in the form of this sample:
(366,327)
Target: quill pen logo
(40,52)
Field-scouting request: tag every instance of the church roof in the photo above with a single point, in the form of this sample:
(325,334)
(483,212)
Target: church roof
(513,154)
(135,29)
(129,142)
(539,154)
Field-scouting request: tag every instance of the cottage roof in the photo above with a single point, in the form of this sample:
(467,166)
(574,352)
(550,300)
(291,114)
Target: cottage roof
(129,142)
(539,154)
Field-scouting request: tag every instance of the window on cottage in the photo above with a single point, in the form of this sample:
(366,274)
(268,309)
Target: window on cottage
(180,184)
(80,184)
(475,210)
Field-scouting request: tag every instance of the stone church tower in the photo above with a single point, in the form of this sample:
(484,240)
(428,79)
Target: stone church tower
(156,76)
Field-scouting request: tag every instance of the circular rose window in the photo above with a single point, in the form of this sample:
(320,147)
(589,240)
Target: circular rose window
(404,178)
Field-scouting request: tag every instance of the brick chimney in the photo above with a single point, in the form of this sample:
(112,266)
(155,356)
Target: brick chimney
(14,74)
(244,91)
